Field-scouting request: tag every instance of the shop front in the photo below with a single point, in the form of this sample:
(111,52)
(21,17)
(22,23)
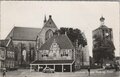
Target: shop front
(57,65)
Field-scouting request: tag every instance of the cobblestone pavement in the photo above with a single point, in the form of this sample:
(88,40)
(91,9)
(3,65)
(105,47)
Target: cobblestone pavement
(82,73)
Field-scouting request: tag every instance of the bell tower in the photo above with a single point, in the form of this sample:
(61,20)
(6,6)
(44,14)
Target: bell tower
(106,32)
(103,47)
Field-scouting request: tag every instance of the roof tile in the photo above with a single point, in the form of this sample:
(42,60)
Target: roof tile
(62,40)
(24,33)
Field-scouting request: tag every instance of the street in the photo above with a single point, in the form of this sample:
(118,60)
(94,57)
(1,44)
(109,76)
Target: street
(82,73)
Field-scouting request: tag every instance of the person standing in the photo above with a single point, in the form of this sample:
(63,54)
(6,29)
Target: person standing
(4,72)
(89,71)
(116,67)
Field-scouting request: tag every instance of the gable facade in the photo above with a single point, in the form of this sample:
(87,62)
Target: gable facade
(47,31)
(52,49)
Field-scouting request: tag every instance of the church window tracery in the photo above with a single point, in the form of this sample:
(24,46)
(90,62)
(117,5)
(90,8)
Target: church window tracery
(48,34)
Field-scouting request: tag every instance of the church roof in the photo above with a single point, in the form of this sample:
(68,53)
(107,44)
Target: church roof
(62,40)
(23,33)
(50,23)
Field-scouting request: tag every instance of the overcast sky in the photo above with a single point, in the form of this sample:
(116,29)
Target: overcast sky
(82,15)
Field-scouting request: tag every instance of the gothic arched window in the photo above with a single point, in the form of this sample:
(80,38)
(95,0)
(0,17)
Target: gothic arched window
(48,34)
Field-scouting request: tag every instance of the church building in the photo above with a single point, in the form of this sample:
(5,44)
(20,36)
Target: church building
(24,41)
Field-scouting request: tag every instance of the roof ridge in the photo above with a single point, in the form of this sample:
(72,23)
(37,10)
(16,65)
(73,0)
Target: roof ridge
(25,27)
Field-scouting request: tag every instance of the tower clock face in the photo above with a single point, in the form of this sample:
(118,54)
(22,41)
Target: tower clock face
(107,34)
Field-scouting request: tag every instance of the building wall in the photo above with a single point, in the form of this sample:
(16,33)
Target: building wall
(10,56)
(42,35)
(101,37)
(78,59)
(62,54)
(0,64)
(29,48)
(2,56)
(81,57)
(101,33)
(85,55)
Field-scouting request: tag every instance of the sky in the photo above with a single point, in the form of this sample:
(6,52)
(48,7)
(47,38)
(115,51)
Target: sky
(76,14)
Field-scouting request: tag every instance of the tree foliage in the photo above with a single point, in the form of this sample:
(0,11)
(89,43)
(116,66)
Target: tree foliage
(74,35)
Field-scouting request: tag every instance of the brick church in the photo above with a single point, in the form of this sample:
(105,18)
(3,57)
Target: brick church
(41,48)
